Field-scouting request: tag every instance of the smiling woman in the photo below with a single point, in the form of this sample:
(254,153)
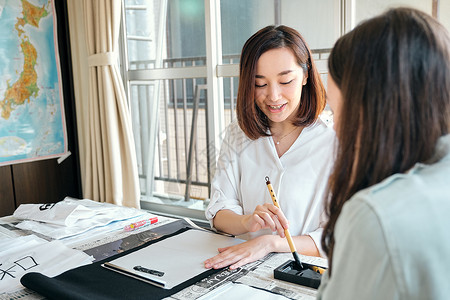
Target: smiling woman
(279,135)
(278,90)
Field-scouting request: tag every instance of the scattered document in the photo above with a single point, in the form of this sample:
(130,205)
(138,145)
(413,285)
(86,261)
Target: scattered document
(64,213)
(253,278)
(240,291)
(71,216)
(174,260)
(21,255)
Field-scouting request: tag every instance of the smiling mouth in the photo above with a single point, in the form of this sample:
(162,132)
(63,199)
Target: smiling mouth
(277,107)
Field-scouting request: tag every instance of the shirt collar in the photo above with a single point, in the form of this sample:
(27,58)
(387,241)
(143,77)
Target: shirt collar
(442,150)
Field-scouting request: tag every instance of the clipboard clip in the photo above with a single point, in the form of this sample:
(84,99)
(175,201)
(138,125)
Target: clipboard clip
(148,271)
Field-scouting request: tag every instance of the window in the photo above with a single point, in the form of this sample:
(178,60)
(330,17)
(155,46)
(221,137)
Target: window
(172,48)
(180,61)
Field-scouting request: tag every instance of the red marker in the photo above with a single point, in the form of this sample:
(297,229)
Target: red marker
(139,224)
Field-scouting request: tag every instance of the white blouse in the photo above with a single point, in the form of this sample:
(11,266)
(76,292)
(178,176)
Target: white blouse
(299,178)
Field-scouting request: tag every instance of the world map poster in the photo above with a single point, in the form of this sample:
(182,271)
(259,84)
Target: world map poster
(32,123)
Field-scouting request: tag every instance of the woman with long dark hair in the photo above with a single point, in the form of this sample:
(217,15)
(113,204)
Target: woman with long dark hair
(388,235)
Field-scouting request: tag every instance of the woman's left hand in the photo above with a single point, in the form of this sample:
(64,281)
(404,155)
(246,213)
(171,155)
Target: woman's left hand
(241,254)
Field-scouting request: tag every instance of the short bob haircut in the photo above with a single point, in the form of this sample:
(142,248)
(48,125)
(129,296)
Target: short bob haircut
(250,118)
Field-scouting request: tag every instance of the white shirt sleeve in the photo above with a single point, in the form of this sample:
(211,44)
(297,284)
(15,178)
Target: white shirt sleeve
(224,187)
(317,237)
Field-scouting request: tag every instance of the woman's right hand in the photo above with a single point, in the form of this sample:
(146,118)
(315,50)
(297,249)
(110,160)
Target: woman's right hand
(266,216)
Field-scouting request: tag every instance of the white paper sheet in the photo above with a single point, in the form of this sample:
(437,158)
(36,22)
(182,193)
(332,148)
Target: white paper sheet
(62,213)
(240,291)
(180,257)
(21,255)
(71,217)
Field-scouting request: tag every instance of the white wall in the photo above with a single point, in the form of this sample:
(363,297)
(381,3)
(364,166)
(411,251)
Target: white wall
(317,21)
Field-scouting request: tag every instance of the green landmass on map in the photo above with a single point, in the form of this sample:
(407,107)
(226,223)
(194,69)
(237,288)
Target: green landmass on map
(26,86)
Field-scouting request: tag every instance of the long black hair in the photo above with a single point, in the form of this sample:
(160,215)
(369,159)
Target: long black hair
(394,75)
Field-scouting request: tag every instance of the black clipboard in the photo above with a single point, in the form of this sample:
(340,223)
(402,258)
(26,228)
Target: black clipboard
(96,282)
(174,260)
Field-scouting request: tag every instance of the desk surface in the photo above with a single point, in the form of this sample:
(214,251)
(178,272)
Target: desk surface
(222,285)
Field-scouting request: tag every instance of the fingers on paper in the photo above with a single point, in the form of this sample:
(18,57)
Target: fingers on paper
(230,256)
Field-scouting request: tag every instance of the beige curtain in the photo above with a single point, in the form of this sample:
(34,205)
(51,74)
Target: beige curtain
(107,149)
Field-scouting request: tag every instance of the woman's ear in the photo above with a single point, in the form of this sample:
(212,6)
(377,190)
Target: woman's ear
(305,80)
(305,75)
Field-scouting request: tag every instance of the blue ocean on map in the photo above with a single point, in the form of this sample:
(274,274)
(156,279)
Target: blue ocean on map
(9,46)
(36,129)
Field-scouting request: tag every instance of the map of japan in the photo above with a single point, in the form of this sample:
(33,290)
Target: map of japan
(31,104)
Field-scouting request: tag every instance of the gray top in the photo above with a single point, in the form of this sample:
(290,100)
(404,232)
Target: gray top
(393,239)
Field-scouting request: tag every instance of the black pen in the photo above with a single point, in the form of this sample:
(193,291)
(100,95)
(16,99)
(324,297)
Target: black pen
(286,231)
